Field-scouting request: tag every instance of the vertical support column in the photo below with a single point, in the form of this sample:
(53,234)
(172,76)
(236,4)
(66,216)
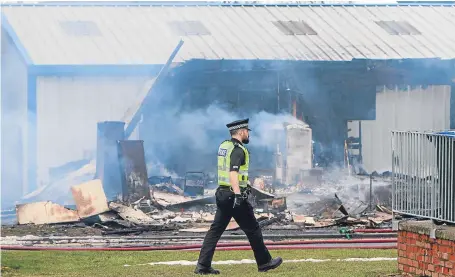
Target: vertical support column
(371,194)
(107,161)
(294,108)
(278,165)
(360,143)
(278,93)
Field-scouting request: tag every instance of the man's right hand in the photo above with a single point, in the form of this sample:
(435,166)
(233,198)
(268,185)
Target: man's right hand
(238,200)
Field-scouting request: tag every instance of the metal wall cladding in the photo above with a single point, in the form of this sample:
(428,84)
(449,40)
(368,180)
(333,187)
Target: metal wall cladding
(402,109)
(13,122)
(147,34)
(68,110)
(299,151)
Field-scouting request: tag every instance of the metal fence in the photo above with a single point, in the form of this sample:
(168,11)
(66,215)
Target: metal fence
(423,177)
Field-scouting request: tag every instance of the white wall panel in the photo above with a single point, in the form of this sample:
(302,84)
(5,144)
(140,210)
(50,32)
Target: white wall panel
(409,109)
(69,109)
(13,121)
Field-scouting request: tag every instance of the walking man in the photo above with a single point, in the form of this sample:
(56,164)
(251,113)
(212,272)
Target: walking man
(231,201)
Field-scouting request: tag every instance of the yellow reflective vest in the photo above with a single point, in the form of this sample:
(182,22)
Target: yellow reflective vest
(224,163)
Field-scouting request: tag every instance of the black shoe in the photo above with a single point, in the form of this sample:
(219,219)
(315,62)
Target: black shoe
(274,263)
(206,270)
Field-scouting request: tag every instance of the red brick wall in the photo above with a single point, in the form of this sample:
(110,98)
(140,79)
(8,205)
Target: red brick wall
(418,255)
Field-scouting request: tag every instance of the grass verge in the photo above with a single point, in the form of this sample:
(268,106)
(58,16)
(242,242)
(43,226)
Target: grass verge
(52,263)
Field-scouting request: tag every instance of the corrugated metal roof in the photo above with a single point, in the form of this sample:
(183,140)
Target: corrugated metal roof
(142,34)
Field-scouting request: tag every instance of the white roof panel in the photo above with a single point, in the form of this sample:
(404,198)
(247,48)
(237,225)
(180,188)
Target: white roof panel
(147,34)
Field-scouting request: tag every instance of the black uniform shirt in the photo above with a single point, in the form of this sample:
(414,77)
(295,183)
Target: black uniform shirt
(237,156)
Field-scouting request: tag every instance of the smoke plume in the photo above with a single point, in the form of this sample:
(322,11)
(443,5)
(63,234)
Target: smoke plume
(189,141)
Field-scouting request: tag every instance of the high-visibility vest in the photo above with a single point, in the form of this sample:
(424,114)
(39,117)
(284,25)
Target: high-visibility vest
(224,164)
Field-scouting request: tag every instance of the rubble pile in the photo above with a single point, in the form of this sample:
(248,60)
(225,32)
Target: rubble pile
(168,208)
(340,203)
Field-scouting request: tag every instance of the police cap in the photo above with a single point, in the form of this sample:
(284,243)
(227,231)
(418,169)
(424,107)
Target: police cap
(238,124)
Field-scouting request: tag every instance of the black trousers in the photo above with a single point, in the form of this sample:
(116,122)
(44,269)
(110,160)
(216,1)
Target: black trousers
(244,216)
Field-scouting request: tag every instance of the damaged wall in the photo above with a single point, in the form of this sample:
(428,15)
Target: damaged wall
(69,109)
(298,152)
(13,121)
(401,109)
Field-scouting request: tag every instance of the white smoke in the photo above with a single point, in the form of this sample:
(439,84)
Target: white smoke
(188,141)
(195,127)
(268,129)
(159,169)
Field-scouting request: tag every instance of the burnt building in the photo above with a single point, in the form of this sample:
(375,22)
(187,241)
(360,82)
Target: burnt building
(76,64)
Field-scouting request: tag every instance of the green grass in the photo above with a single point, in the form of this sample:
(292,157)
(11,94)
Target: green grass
(51,263)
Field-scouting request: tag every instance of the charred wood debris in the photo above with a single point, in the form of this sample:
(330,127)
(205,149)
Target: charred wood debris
(187,205)
(166,206)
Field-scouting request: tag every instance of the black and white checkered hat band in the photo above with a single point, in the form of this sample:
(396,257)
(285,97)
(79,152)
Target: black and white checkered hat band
(245,125)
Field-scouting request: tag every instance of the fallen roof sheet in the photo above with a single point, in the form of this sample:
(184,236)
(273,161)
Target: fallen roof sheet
(147,34)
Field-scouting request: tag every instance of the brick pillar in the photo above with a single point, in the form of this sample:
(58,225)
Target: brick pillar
(419,255)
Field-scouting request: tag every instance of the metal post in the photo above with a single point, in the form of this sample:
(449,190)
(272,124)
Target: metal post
(371,192)
(130,126)
(278,93)
(360,143)
(394,172)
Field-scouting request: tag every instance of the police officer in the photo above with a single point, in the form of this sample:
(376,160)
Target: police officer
(233,162)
